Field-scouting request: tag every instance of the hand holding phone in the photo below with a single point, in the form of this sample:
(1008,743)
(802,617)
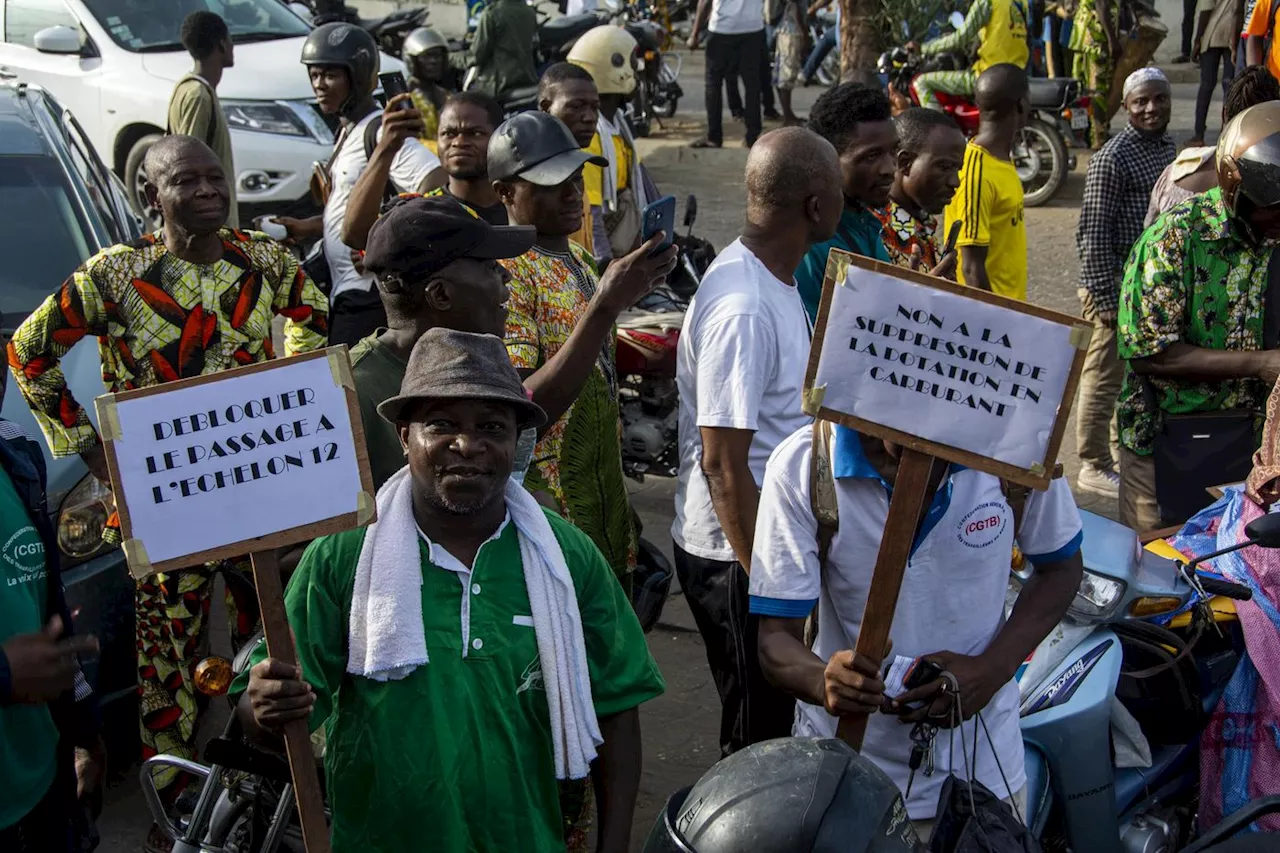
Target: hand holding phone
(392,84)
(659,216)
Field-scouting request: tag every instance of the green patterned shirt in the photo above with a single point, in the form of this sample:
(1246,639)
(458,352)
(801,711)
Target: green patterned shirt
(1191,277)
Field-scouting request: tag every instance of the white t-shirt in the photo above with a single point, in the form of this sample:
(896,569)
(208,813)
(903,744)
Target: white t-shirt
(736,16)
(952,599)
(412,164)
(740,364)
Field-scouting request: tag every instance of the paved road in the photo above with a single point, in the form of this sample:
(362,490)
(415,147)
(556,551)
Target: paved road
(681,727)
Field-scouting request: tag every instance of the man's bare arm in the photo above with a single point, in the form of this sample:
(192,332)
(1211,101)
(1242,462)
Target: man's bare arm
(973,261)
(734,493)
(1184,361)
(616,776)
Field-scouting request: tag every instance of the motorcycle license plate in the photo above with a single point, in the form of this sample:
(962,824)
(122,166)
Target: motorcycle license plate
(1079,121)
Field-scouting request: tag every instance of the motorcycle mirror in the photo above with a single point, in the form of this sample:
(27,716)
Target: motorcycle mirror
(690,210)
(1264,531)
(956,20)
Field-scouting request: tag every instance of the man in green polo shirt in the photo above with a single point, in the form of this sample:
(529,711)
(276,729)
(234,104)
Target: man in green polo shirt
(436,267)
(456,750)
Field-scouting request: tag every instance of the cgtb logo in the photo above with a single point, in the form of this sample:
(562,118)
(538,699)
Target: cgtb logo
(983,524)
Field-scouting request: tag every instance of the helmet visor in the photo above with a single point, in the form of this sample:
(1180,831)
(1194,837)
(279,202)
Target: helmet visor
(1260,172)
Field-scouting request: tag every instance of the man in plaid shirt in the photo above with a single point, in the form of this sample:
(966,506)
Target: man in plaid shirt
(1117,191)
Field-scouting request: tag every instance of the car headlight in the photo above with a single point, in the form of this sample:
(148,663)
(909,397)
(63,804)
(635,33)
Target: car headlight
(82,516)
(264,117)
(1097,597)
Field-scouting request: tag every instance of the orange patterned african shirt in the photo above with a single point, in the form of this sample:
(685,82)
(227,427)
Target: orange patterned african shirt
(579,459)
(159,318)
(902,232)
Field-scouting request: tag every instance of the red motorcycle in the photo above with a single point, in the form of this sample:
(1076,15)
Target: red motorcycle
(1059,119)
(646,357)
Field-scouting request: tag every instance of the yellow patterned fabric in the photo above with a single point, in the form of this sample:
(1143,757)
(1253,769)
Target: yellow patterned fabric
(579,459)
(159,318)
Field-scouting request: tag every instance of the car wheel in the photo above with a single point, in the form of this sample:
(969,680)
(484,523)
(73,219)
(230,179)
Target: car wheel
(135,178)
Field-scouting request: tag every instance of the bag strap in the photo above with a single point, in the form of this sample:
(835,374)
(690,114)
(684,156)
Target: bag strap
(210,132)
(826,511)
(822,489)
(371,142)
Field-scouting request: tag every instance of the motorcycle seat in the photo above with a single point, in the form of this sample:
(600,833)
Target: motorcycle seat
(559,30)
(1052,92)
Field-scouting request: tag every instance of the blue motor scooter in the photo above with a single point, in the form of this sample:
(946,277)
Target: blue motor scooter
(1108,648)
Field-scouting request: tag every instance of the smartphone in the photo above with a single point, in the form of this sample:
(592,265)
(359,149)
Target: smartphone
(659,216)
(953,234)
(392,84)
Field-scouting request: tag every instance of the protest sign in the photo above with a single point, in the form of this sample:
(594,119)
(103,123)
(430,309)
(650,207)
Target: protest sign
(950,374)
(239,462)
(235,462)
(956,372)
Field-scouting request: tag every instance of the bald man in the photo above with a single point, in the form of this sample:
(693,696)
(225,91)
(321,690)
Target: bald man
(191,299)
(993,236)
(739,369)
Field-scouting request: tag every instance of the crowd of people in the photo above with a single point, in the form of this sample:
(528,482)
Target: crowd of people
(476,266)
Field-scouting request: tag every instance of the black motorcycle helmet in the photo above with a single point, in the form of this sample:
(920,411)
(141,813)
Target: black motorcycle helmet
(345,46)
(790,795)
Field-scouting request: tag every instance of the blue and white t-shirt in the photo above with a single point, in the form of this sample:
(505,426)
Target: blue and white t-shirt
(952,598)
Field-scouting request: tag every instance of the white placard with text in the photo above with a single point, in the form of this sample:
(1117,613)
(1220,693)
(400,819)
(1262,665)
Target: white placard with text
(945,367)
(201,465)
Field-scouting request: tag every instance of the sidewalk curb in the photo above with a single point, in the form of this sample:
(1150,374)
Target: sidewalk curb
(1185,72)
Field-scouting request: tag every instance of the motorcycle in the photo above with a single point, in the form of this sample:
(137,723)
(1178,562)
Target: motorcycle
(648,335)
(658,90)
(388,31)
(245,802)
(1059,118)
(1166,679)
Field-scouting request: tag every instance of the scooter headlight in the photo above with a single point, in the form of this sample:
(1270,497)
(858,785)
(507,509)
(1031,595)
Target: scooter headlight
(1097,597)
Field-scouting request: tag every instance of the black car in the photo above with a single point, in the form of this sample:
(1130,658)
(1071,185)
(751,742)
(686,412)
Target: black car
(61,205)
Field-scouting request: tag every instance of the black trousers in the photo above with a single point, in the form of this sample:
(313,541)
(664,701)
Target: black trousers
(752,710)
(1209,62)
(734,97)
(355,315)
(729,57)
(47,828)
(1188,25)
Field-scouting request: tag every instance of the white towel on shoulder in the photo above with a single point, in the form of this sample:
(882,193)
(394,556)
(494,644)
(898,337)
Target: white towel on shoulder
(388,641)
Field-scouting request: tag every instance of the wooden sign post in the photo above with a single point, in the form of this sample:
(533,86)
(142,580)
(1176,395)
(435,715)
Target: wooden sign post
(245,461)
(950,374)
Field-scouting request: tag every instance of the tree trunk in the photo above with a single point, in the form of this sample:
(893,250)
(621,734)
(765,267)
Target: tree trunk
(859,41)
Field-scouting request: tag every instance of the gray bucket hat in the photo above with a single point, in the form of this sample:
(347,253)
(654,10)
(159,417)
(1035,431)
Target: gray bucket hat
(449,365)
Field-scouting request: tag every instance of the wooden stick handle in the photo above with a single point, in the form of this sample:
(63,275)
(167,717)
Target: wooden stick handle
(910,492)
(297,736)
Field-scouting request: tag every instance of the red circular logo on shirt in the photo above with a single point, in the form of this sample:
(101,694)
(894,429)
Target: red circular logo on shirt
(983,524)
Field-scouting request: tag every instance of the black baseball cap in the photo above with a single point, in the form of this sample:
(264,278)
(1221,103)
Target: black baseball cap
(421,235)
(536,147)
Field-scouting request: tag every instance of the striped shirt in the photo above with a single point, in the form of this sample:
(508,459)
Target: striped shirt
(1117,191)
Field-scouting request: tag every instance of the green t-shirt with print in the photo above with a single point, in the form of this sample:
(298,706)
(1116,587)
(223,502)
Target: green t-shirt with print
(458,754)
(28,737)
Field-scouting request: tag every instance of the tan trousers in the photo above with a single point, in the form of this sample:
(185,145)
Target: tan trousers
(924,828)
(1138,508)
(1100,380)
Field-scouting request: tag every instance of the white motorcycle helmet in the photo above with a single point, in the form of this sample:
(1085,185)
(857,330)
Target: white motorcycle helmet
(606,53)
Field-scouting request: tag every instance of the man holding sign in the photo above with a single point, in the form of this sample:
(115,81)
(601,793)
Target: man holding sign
(469,648)
(193,299)
(950,611)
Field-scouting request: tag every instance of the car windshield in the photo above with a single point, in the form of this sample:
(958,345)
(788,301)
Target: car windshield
(152,26)
(50,220)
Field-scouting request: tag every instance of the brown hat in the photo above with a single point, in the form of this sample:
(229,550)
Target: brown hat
(449,365)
